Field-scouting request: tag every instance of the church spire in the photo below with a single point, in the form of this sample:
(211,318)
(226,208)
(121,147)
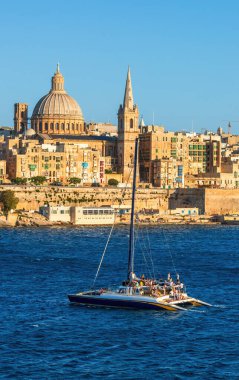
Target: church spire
(128,95)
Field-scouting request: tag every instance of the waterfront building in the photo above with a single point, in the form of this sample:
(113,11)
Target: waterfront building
(79,215)
(92,215)
(60,145)
(56,213)
(185,211)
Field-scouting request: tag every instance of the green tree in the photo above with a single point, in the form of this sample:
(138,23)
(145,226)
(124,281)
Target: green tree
(108,171)
(19,181)
(113,182)
(9,201)
(74,180)
(38,180)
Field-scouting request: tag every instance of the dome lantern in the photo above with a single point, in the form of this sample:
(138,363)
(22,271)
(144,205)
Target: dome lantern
(57,81)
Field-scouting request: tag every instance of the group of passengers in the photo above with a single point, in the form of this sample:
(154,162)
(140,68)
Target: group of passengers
(158,288)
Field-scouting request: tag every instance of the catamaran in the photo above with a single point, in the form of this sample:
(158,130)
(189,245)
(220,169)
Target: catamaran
(139,292)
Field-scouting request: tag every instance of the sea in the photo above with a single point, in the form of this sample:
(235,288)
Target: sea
(43,336)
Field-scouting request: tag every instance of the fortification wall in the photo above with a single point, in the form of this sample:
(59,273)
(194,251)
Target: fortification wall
(31,198)
(208,201)
(181,198)
(221,201)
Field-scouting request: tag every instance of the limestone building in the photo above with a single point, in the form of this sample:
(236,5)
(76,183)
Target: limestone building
(27,158)
(20,117)
(128,131)
(57,112)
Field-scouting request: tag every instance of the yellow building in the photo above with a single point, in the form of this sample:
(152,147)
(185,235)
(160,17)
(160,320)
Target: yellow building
(165,172)
(27,158)
(194,154)
(3,174)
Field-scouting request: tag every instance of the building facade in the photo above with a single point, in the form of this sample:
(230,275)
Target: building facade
(128,131)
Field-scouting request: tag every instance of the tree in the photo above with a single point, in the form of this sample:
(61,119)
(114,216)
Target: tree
(108,171)
(9,201)
(74,180)
(38,180)
(19,181)
(113,182)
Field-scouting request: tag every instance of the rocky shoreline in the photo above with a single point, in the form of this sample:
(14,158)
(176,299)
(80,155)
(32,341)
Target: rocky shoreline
(27,219)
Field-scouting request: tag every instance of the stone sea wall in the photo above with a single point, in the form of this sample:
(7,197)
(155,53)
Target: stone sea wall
(208,201)
(31,198)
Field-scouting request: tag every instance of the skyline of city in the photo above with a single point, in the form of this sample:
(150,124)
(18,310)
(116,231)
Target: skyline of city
(183,59)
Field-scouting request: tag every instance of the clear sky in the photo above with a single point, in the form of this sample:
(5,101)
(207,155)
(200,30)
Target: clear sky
(183,55)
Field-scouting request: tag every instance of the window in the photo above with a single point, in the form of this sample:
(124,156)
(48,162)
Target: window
(131,123)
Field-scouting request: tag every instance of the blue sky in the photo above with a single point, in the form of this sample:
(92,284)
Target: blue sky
(183,54)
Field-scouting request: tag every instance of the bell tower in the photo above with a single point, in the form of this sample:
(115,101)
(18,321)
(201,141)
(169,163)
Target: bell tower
(20,117)
(128,131)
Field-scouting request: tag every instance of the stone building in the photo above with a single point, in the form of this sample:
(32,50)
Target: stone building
(128,131)
(57,112)
(20,117)
(193,155)
(166,159)
(27,158)
(165,172)
(3,172)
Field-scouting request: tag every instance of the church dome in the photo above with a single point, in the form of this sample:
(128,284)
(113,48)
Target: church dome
(56,103)
(57,112)
(30,132)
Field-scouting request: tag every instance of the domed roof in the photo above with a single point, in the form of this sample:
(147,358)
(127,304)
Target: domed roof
(57,101)
(30,132)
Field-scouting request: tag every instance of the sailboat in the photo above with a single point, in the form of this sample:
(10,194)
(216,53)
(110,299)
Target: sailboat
(139,292)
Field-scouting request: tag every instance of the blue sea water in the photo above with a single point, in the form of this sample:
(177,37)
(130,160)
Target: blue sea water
(44,337)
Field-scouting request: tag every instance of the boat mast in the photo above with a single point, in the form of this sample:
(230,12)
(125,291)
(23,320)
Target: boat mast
(131,234)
